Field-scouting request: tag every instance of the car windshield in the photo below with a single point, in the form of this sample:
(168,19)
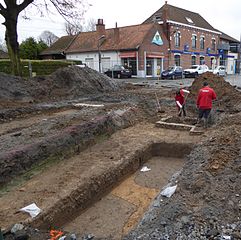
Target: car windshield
(171,69)
(194,67)
(118,67)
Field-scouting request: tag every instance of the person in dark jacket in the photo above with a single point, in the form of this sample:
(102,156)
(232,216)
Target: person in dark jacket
(204,102)
(180,100)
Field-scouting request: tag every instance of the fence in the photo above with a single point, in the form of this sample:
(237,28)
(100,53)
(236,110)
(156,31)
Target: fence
(154,67)
(35,67)
(150,67)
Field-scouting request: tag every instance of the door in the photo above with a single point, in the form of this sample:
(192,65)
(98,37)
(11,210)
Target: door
(149,66)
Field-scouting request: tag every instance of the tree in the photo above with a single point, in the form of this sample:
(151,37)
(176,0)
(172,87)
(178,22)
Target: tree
(3,46)
(76,26)
(10,10)
(48,38)
(91,25)
(30,48)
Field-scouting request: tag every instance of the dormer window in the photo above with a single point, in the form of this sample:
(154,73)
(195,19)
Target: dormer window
(189,20)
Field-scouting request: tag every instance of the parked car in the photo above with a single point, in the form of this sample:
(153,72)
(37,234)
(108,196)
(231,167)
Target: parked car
(172,73)
(219,70)
(195,70)
(118,71)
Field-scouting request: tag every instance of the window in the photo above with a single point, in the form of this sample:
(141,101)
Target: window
(193,60)
(189,20)
(213,44)
(177,39)
(213,63)
(90,62)
(202,40)
(194,41)
(202,61)
(177,60)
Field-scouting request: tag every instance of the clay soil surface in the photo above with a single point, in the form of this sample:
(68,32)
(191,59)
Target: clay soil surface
(66,157)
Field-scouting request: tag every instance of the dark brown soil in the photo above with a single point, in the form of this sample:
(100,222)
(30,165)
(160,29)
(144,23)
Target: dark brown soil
(53,147)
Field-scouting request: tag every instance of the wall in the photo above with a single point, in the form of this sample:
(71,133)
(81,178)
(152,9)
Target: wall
(186,38)
(230,66)
(91,59)
(148,47)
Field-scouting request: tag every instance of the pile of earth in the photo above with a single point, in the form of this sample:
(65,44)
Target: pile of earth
(206,204)
(65,83)
(228,97)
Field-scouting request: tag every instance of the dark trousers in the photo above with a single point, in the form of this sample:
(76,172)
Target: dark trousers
(203,113)
(182,111)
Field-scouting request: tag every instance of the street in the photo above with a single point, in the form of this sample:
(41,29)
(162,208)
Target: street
(234,80)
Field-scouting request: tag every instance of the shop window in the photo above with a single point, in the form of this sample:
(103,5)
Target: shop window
(177,60)
(202,40)
(193,60)
(130,63)
(194,41)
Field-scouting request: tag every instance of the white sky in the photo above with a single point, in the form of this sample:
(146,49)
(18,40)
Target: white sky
(221,14)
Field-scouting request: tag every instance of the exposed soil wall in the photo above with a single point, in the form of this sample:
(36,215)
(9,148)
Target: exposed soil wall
(71,139)
(96,185)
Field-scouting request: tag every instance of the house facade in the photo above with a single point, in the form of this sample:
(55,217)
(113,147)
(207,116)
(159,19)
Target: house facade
(140,48)
(228,50)
(191,39)
(170,36)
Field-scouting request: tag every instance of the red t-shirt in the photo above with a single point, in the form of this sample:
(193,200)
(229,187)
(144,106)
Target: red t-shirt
(180,97)
(205,97)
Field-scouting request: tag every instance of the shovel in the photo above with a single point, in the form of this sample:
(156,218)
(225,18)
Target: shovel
(158,105)
(185,99)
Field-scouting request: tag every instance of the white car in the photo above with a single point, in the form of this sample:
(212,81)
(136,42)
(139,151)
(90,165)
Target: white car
(195,70)
(219,70)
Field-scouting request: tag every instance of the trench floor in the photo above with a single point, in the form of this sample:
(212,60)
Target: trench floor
(125,204)
(50,186)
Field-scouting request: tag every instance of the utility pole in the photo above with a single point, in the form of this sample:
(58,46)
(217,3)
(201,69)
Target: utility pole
(239,55)
(99,53)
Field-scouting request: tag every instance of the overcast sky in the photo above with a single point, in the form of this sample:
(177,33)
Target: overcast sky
(221,14)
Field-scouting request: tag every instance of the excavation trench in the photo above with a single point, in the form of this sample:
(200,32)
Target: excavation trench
(112,203)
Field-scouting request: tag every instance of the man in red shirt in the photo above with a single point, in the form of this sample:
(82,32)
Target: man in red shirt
(204,102)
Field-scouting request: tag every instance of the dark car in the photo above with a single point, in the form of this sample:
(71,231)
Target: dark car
(172,73)
(118,71)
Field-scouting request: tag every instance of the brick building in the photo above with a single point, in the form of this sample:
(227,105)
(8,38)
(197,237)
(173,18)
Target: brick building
(191,39)
(139,47)
(170,36)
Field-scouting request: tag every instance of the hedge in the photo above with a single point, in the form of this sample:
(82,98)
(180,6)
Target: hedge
(39,67)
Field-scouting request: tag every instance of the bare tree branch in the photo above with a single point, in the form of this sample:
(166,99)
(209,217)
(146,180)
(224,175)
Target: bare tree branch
(23,5)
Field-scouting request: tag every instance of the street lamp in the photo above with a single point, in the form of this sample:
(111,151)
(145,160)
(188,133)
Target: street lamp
(99,53)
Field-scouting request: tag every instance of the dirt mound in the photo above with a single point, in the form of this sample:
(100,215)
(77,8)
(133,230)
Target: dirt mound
(75,81)
(14,88)
(68,82)
(227,95)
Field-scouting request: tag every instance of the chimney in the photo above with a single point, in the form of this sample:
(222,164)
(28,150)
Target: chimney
(165,16)
(100,27)
(116,34)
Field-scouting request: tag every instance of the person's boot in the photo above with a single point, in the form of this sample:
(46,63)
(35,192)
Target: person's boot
(205,123)
(198,124)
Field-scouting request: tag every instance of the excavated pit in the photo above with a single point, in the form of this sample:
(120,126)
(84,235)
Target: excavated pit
(121,196)
(178,123)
